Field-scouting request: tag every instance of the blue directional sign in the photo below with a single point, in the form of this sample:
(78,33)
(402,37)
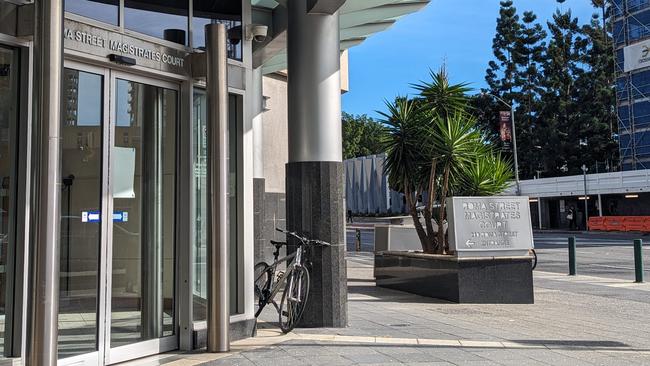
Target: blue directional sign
(96,216)
(120,216)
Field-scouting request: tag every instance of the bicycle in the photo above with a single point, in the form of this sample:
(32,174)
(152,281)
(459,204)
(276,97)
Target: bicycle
(533,254)
(295,278)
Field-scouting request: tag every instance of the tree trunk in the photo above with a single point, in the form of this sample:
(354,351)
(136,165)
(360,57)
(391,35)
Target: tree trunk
(422,235)
(443,198)
(428,210)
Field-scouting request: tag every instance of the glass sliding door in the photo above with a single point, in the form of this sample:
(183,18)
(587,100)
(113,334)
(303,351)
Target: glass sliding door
(81,172)
(118,167)
(9,105)
(143,177)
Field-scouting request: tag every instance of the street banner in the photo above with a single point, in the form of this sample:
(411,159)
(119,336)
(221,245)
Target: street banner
(636,56)
(506,128)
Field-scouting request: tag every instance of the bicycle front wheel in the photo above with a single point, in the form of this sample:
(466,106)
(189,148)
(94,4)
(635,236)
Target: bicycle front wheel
(294,299)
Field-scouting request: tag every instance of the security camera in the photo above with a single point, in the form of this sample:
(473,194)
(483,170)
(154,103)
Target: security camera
(234,35)
(256,32)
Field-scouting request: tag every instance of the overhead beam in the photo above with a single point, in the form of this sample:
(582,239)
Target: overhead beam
(324,6)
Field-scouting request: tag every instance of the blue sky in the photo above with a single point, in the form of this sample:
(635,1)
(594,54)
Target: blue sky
(460,35)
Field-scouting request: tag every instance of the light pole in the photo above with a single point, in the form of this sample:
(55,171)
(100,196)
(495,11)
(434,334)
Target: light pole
(514,137)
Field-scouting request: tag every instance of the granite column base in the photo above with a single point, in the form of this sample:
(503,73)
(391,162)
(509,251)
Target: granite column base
(316,208)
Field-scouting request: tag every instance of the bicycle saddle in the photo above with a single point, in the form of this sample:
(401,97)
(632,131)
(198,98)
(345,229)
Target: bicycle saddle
(278,244)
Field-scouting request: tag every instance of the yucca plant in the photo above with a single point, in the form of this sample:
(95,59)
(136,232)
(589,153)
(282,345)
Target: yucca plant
(433,145)
(488,175)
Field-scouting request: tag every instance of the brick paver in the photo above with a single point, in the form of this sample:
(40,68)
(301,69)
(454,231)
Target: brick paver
(574,321)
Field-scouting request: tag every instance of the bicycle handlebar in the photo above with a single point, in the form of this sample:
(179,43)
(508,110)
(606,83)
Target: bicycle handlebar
(303,239)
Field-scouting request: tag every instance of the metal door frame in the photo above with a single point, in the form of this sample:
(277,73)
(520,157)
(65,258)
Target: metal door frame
(104,354)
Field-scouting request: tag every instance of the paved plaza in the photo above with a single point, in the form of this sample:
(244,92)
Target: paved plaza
(582,320)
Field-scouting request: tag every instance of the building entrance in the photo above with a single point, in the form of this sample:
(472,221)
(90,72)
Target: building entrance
(118,220)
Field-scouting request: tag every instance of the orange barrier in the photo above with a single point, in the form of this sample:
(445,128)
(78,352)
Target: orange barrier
(619,223)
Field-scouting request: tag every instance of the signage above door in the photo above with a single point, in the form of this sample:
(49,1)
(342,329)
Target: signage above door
(85,38)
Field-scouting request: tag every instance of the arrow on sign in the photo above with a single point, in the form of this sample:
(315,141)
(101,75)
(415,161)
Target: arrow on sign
(469,243)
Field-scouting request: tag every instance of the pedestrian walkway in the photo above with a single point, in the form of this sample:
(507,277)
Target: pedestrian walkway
(578,320)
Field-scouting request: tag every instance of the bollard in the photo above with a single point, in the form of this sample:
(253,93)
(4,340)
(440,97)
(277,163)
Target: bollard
(358,241)
(572,256)
(638,260)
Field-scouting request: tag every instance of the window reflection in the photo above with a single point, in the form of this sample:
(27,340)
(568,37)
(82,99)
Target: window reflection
(106,11)
(161,19)
(218,12)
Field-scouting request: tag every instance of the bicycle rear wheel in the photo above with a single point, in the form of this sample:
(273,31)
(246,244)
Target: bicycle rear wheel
(262,284)
(294,299)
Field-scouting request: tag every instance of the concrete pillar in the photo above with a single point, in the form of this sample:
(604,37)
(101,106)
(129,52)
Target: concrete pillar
(315,178)
(43,306)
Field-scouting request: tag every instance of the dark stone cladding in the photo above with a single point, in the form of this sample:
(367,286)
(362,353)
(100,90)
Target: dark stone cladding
(269,212)
(507,280)
(238,330)
(316,208)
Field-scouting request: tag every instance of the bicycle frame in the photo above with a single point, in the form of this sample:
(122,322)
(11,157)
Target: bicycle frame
(293,260)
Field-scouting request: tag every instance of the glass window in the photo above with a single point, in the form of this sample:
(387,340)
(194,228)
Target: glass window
(200,154)
(161,19)
(225,12)
(9,77)
(81,172)
(106,11)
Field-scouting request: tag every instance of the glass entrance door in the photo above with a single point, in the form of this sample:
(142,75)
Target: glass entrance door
(117,293)
(142,300)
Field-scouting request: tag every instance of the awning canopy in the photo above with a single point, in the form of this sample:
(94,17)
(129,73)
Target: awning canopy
(359,20)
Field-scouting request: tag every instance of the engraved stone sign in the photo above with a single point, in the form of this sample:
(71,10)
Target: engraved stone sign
(489,226)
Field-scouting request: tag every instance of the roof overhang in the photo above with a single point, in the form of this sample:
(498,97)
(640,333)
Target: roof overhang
(360,19)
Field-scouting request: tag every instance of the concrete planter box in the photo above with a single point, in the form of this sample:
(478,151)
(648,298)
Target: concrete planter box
(479,280)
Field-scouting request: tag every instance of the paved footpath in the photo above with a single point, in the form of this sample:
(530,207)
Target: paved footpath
(575,321)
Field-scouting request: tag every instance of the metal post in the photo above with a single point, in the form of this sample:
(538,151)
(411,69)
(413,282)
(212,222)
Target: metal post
(638,260)
(358,240)
(42,328)
(572,256)
(600,205)
(584,171)
(514,148)
(218,269)
(539,211)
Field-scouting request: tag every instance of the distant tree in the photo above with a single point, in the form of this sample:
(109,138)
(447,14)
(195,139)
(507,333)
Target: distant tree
(502,71)
(561,83)
(530,47)
(562,66)
(361,136)
(596,89)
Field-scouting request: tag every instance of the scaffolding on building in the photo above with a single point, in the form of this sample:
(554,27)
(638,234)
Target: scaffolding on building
(624,10)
